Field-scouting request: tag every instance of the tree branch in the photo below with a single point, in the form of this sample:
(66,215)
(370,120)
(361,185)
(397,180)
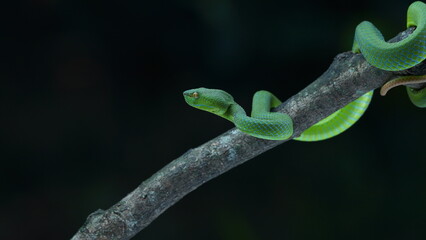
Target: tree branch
(348,77)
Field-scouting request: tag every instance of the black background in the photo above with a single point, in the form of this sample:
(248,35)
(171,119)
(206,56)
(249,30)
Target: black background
(91,105)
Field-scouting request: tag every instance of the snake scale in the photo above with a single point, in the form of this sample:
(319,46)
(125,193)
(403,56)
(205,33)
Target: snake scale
(368,41)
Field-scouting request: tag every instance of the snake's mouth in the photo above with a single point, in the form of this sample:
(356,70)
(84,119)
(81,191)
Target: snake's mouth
(190,98)
(191,94)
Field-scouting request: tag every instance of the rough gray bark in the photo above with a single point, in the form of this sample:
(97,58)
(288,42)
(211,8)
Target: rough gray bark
(348,77)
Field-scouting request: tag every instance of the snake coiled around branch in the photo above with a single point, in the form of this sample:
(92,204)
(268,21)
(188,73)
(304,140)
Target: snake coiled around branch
(370,43)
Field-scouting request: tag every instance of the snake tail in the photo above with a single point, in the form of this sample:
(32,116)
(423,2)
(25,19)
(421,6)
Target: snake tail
(417,96)
(402,81)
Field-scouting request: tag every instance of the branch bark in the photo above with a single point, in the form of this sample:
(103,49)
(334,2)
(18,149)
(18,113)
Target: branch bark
(348,77)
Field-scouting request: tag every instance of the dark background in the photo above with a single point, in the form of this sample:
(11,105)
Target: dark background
(91,105)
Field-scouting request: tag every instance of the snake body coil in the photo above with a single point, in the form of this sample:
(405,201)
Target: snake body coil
(279,126)
(394,56)
(397,56)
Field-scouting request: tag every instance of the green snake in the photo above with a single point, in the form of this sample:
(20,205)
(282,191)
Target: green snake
(368,41)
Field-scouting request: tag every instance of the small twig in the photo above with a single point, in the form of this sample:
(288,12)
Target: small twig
(348,77)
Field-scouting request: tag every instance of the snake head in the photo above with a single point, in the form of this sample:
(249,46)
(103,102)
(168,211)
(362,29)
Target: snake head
(211,100)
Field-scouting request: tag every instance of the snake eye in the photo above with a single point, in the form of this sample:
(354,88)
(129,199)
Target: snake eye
(195,95)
